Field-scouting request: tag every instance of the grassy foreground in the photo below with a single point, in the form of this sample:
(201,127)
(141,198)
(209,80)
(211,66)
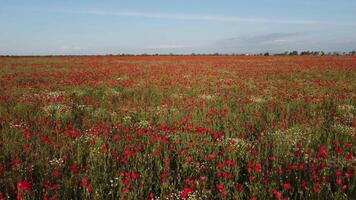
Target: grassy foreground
(178,127)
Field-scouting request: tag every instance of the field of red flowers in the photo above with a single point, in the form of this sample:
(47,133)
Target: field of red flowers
(184,127)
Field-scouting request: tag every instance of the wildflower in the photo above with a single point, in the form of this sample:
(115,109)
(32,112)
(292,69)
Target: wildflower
(135,175)
(349,156)
(156,153)
(287,186)
(56,173)
(221,189)
(55,187)
(166,160)
(258,167)
(344,187)
(2,169)
(323,152)
(221,165)
(315,176)
(338,150)
(89,188)
(339,181)
(186,191)
(304,185)
(189,159)
(126,181)
(24,185)
(277,194)
(74,169)
(317,187)
(338,173)
(187,180)
(239,188)
(85,181)
(203,178)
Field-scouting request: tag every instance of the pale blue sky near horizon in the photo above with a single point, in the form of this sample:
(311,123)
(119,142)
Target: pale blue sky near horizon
(42,27)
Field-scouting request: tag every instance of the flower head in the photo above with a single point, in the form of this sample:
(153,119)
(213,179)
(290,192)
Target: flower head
(24,185)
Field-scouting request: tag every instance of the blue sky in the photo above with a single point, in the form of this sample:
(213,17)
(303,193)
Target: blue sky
(175,26)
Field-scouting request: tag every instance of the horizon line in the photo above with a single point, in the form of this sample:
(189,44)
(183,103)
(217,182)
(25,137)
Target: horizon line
(287,53)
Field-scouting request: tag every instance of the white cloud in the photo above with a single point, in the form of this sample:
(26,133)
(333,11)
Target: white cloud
(168,46)
(210,18)
(69,47)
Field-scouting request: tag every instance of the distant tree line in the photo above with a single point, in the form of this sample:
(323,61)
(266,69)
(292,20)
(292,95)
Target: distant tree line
(286,53)
(316,53)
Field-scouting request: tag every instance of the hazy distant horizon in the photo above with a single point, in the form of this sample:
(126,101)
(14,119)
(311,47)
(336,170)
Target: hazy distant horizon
(38,27)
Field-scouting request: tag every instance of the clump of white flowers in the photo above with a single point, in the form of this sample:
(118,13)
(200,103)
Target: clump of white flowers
(344,130)
(161,109)
(284,141)
(86,136)
(56,162)
(347,112)
(207,96)
(18,125)
(123,78)
(55,108)
(114,184)
(143,124)
(195,196)
(345,108)
(291,136)
(237,143)
(256,99)
(127,119)
(178,95)
(54,94)
(177,196)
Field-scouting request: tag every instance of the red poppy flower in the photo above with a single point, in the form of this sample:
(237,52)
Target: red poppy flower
(287,186)
(339,181)
(203,178)
(186,191)
(56,173)
(277,194)
(85,181)
(74,169)
(89,188)
(24,185)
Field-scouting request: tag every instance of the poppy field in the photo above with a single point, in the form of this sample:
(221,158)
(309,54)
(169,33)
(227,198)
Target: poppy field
(178,127)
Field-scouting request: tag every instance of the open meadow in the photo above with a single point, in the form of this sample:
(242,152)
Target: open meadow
(178,127)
